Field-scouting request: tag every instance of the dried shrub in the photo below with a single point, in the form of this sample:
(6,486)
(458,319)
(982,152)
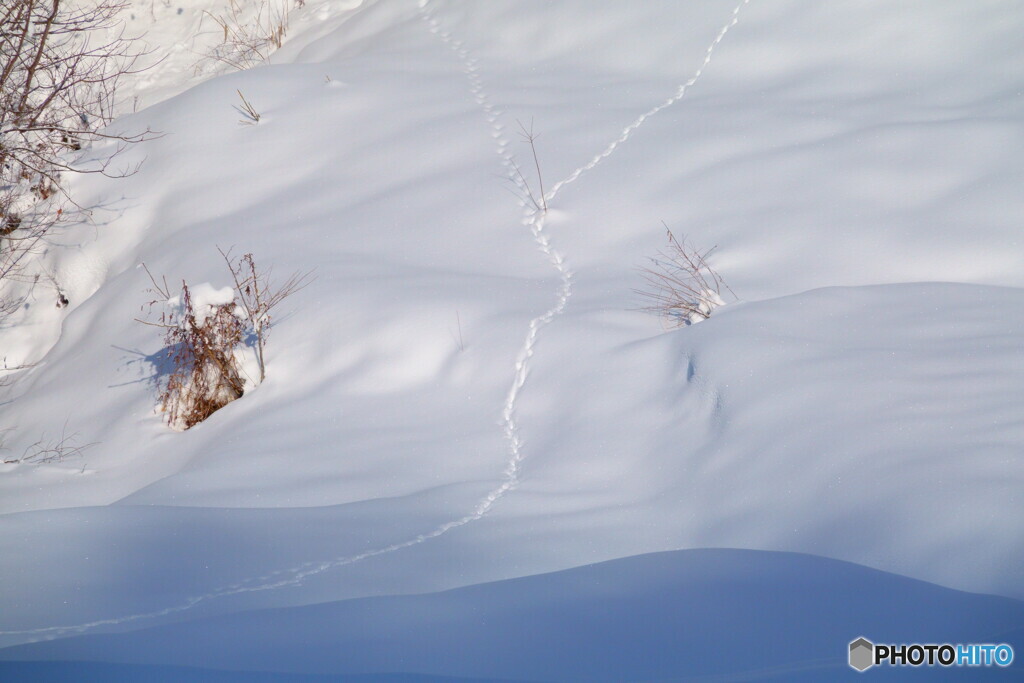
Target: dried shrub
(251,115)
(247,36)
(203,342)
(206,374)
(681,286)
(60,65)
(47,451)
(258,297)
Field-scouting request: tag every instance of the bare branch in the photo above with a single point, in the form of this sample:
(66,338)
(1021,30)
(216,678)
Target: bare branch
(58,89)
(53,450)
(541,201)
(258,297)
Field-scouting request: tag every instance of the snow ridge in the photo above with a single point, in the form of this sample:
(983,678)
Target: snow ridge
(534,218)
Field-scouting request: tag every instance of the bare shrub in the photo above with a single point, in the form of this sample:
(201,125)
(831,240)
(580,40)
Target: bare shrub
(257,297)
(681,286)
(58,85)
(205,374)
(203,341)
(248,38)
(51,450)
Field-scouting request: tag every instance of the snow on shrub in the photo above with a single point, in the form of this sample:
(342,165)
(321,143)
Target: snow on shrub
(681,286)
(202,331)
(205,329)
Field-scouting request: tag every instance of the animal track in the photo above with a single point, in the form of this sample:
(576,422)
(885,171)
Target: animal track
(535,219)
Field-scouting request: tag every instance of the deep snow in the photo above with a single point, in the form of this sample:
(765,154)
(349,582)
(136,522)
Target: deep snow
(665,616)
(467,392)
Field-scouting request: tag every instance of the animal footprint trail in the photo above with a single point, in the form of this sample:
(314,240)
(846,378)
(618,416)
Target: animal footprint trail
(632,127)
(534,218)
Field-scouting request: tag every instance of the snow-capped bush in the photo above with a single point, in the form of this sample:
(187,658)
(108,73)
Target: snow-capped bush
(205,329)
(201,336)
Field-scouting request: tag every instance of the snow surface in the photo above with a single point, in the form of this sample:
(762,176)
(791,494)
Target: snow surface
(468,394)
(647,617)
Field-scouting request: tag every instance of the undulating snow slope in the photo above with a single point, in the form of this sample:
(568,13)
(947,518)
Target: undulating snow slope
(651,617)
(467,393)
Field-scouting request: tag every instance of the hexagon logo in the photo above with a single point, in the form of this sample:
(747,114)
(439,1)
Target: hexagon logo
(862,654)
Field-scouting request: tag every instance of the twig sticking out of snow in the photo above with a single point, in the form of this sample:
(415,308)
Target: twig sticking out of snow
(252,117)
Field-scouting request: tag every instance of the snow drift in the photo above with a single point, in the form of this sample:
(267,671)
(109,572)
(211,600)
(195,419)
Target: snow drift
(467,393)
